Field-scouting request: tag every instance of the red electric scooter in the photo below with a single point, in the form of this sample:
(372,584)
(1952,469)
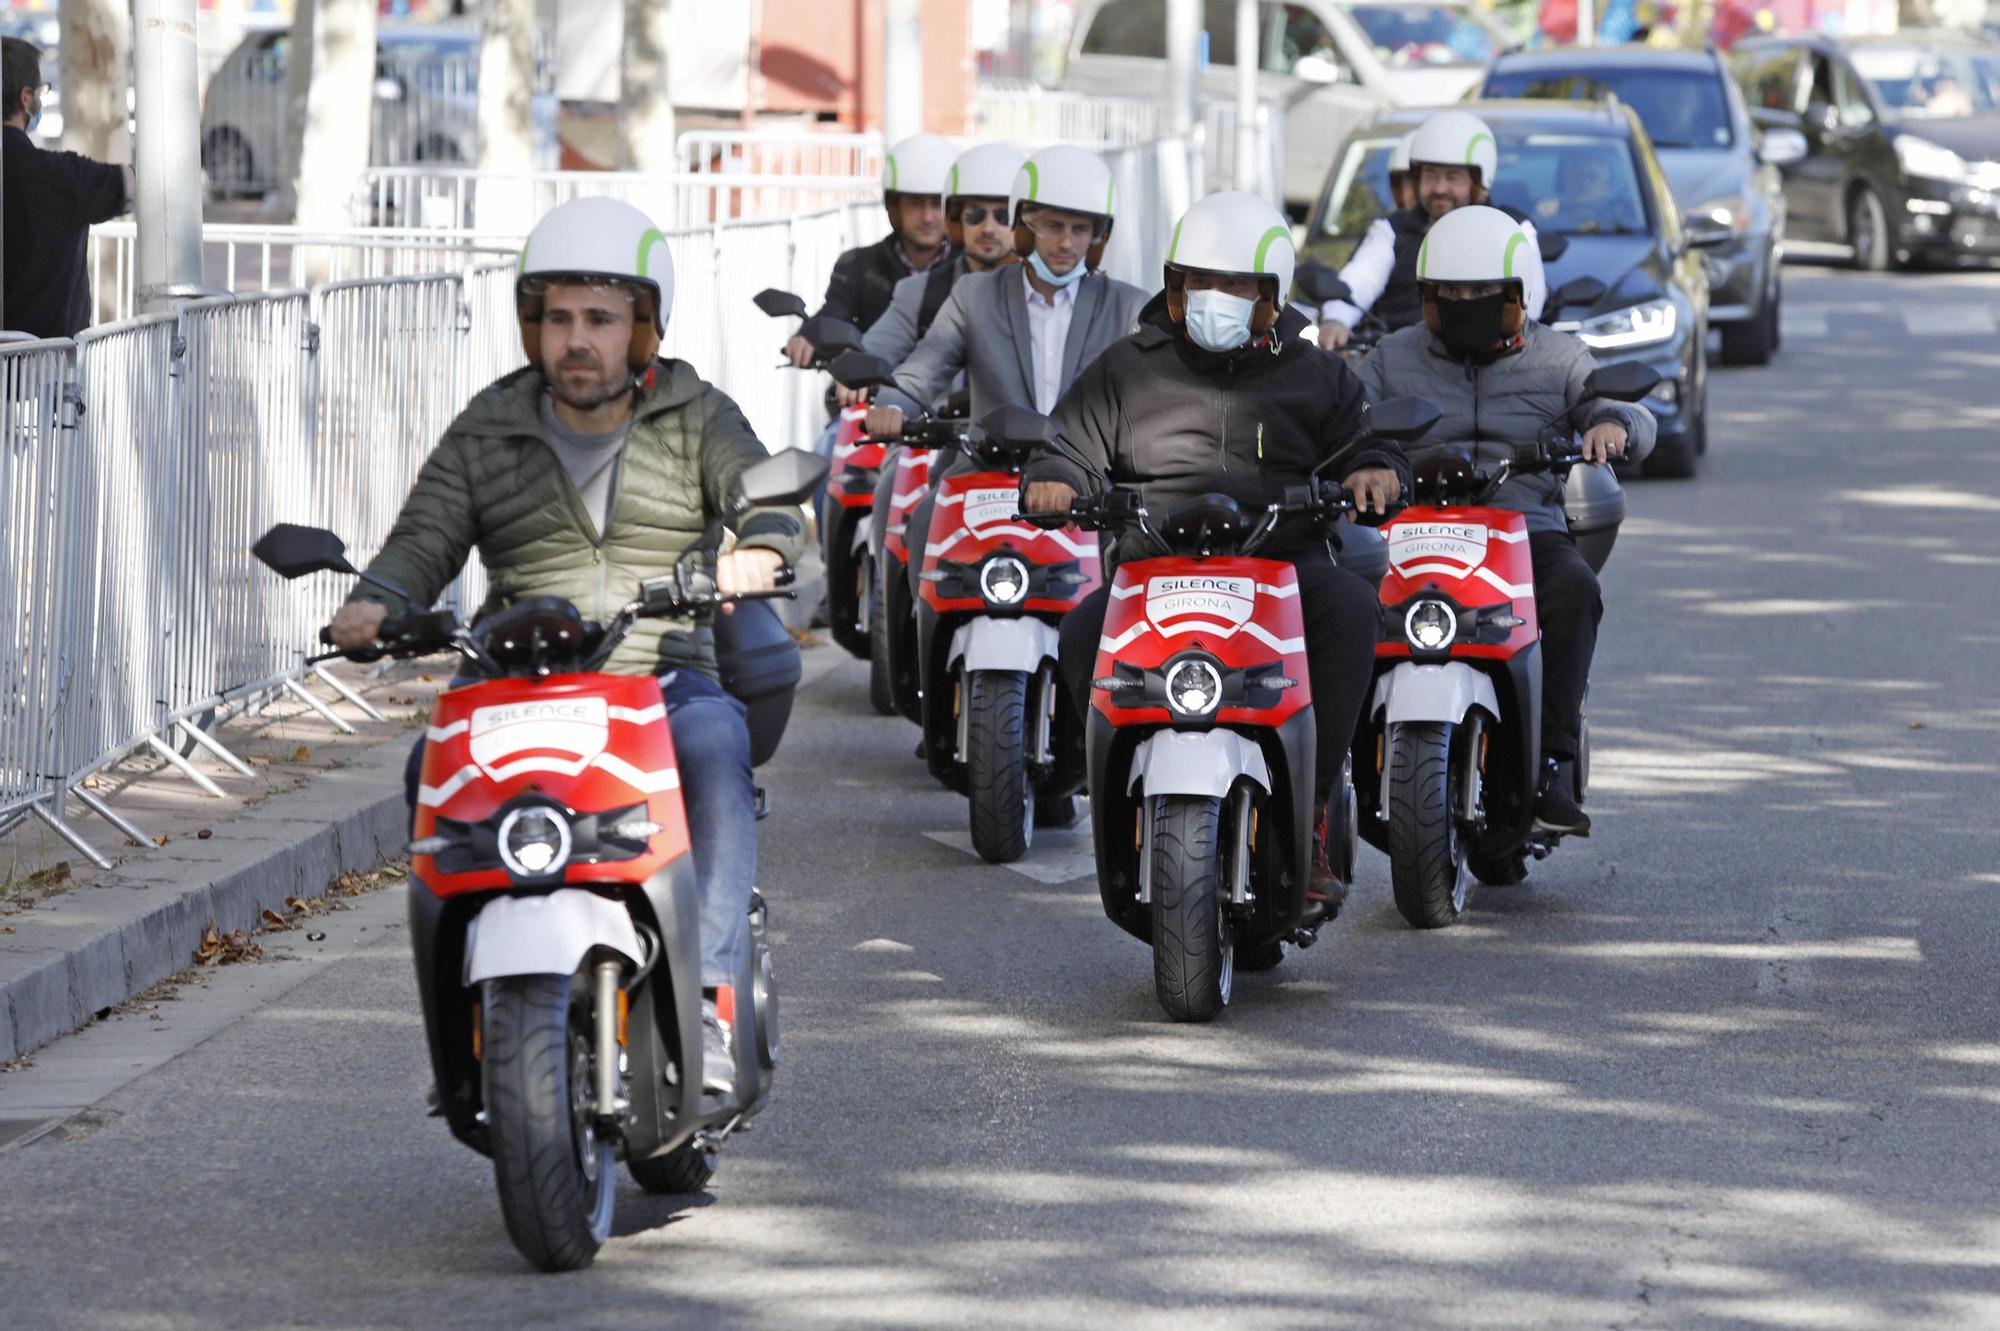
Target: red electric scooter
(1451,743)
(1201,745)
(553,909)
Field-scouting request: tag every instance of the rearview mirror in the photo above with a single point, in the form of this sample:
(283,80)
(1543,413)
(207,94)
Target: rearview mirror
(1584,291)
(1625,381)
(292,551)
(787,477)
(829,335)
(1782,147)
(1319,283)
(1552,244)
(860,369)
(1016,424)
(1400,418)
(1701,232)
(780,304)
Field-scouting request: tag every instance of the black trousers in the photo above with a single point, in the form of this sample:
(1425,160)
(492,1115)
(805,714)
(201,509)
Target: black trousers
(1569,605)
(1338,607)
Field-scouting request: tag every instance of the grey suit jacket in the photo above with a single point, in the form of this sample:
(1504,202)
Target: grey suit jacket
(983,330)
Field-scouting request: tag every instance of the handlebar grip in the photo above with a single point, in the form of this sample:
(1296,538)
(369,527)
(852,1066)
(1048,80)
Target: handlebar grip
(1049,521)
(786,576)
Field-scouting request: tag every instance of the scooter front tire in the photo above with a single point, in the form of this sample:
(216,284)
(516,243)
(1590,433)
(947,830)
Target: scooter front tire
(554,1176)
(1194,957)
(1428,869)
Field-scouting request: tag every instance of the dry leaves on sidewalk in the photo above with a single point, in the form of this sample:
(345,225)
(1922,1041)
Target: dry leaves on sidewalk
(220,949)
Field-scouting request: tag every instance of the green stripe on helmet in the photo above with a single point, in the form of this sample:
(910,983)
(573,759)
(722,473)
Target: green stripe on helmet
(1174,244)
(951,181)
(889,165)
(1424,258)
(1034,180)
(1518,239)
(1264,245)
(645,247)
(1110,188)
(1472,146)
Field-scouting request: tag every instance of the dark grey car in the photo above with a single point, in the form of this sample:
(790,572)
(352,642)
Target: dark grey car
(1722,167)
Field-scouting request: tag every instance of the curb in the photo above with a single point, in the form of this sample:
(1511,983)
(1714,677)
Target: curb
(94,947)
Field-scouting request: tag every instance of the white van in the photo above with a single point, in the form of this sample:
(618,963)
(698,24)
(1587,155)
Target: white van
(1334,61)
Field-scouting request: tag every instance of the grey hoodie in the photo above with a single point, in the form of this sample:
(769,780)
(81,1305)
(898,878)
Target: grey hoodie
(1493,410)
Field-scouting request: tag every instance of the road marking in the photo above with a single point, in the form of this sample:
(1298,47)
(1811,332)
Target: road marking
(1949,321)
(1059,855)
(1794,323)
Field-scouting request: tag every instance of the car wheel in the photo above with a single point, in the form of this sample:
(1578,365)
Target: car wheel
(228,162)
(1777,312)
(1868,231)
(1751,341)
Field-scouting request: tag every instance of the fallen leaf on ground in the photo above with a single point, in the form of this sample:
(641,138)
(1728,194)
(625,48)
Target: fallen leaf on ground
(162,839)
(49,877)
(6,928)
(302,754)
(273,920)
(220,949)
(1916,725)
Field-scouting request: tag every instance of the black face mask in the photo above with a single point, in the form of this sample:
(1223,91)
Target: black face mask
(1472,327)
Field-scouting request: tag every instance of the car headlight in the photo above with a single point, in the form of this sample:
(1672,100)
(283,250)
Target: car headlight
(1732,211)
(1638,325)
(1003,580)
(534,841)
(1932,161)
(1430,626)
(1194,686)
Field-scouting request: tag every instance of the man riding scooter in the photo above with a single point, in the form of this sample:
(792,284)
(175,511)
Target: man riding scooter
(1453,162)
(864,279)
(1499,377)
(1022,335)
(1217,393)
(579,476)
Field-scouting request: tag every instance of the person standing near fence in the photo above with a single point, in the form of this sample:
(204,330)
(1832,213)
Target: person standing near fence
(53,198)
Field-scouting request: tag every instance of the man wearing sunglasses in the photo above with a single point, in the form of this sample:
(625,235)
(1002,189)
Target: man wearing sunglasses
(53,198)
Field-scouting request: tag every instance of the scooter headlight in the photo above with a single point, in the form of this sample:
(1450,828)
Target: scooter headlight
(534,841)
(1194,687)
(1003,580)
(1430,626)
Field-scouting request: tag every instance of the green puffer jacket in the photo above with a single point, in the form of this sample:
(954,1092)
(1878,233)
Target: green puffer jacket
(494,482)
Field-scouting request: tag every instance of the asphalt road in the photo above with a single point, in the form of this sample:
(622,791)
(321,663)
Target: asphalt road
(1731,1062)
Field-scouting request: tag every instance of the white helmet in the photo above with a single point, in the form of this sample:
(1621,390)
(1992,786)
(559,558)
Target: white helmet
(1399,156)
(599,240)
(983,171)
(918,165)
(1236,233)
(1475,244)
(1457,138)
(1067,177)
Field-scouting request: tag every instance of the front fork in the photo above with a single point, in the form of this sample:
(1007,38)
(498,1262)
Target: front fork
(610,1033)
(1043,698)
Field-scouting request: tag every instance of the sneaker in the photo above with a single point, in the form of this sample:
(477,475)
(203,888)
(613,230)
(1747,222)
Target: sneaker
(1325,887)
(1556,809)
(718,1052)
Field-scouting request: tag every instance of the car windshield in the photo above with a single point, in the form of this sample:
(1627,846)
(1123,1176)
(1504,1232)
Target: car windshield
(1577,184)
(1935,84)
(1406,34)
(1679,108)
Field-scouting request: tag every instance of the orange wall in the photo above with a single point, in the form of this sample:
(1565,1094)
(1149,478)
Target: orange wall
(826,56)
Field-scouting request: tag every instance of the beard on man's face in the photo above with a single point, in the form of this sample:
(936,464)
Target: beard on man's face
(592,388)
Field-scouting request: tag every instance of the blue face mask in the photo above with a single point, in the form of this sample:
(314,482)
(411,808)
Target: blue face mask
(1043,271)
(36,118)
(1218,321)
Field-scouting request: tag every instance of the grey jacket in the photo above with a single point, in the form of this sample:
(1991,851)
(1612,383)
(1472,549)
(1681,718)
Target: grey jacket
(894,336)
(1493,410)
(983,330)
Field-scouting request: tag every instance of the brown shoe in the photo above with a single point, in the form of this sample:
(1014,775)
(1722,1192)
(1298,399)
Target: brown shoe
(1324,887)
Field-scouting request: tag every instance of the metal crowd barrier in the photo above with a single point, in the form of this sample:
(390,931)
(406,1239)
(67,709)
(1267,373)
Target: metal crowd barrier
(448,197)
(139,463)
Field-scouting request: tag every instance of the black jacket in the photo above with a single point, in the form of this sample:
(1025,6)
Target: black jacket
(864,281)
(1162,416)
(52,200)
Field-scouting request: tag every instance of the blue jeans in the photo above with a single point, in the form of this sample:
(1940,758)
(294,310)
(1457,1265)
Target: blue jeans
(712,746)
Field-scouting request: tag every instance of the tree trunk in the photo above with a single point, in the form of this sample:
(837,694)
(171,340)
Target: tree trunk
(96,70)
(645,106)
(506,116)
(332,78)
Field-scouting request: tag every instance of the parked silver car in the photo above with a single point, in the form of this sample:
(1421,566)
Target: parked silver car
(425,106)
(1334,62)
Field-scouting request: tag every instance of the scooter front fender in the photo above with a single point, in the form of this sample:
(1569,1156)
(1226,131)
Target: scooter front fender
(1199,762)
(546,935)
(1443,693)
(987,643)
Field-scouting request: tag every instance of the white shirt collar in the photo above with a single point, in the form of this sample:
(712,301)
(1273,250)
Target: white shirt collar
(1064,295)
